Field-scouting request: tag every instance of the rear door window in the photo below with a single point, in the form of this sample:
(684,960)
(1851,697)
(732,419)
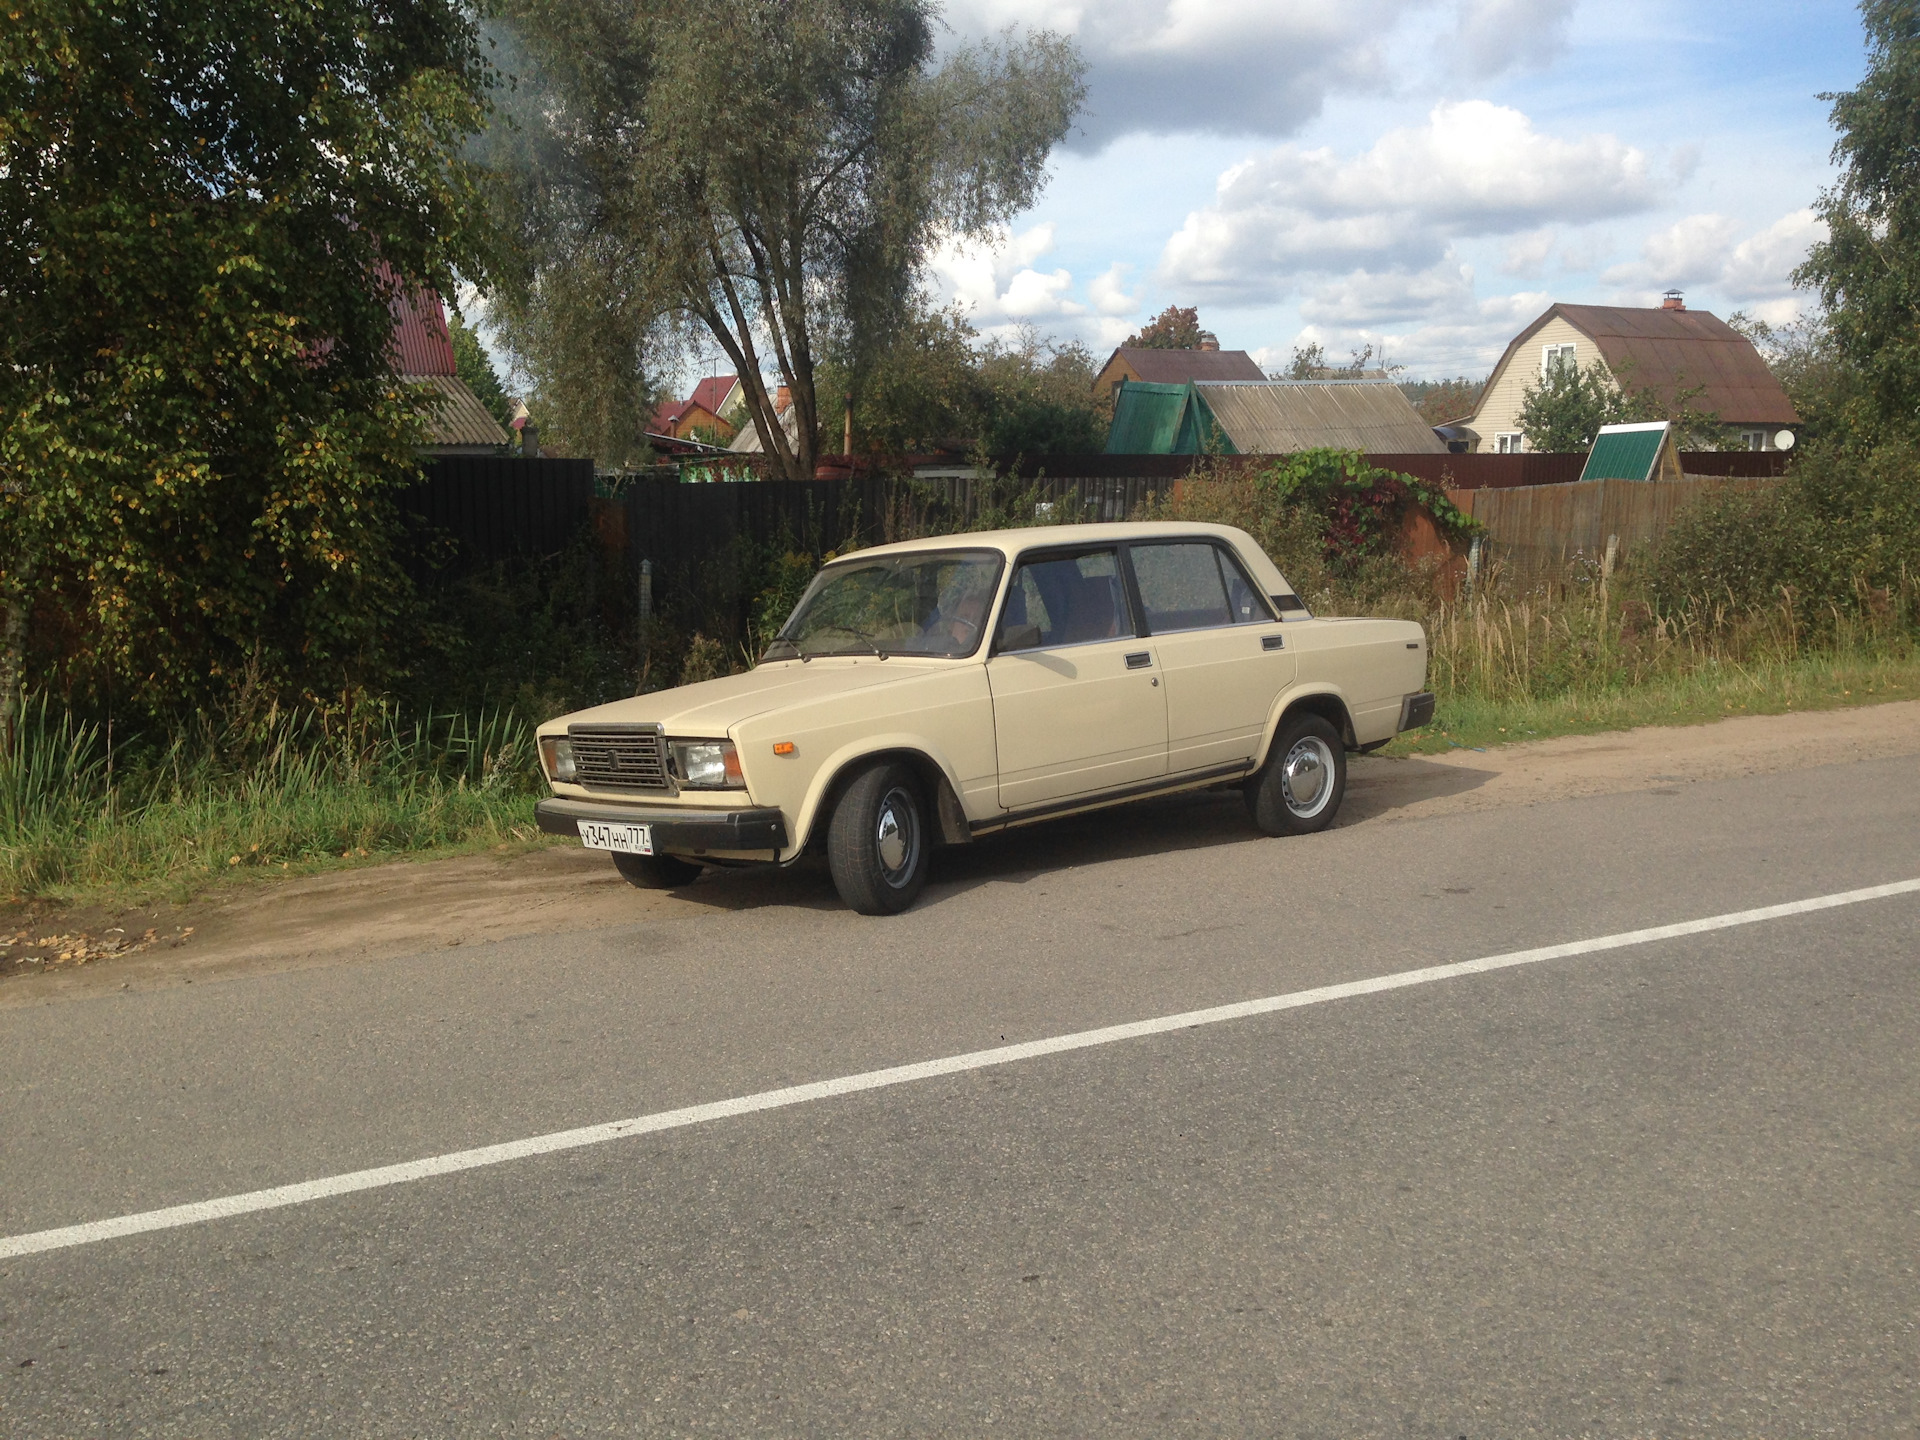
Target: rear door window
(1181,586)
(1071,600)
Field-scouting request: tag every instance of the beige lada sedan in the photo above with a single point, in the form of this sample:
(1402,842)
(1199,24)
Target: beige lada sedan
(928,693)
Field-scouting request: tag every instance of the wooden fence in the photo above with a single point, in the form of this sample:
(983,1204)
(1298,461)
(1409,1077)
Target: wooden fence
(1536,532)
(502,507)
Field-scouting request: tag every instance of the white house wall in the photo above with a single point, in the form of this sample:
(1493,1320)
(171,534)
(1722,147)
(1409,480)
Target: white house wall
(1499,411)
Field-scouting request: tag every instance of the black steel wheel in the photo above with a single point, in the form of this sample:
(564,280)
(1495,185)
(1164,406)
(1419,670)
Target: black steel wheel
(655,872)
(1299,789)
(877,841)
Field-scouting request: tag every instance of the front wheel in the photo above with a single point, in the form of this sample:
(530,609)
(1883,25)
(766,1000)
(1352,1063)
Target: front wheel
(1299,790)
(877,841)
(655,872)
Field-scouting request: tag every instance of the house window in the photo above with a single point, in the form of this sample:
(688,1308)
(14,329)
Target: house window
(1552,355)
(1754,439)
(1509,443)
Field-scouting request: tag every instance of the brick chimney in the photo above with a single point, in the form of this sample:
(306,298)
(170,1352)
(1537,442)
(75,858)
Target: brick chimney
(1673,300)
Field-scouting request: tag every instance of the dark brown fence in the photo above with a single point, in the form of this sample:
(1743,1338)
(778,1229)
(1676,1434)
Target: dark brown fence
(498,508)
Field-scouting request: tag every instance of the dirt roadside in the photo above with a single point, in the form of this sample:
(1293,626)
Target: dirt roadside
(410,907)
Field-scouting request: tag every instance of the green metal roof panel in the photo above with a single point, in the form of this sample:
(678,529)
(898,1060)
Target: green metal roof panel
(1625,452)
(1149,419)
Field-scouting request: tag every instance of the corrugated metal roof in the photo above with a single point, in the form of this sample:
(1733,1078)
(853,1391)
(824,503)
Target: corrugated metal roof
(1177,367)
(1625,452)
(458,420)
(1670,351)
(1279,417)
(421,344)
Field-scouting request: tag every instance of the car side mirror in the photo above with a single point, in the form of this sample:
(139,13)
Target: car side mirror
(1019,637)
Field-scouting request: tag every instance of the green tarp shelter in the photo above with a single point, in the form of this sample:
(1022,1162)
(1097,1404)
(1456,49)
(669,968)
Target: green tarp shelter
(1150,419)
(1632,452)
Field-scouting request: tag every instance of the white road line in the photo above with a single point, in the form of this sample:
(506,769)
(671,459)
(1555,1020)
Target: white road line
(229,1205)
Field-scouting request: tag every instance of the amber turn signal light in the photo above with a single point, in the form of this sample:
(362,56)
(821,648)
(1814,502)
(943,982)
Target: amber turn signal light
(783,747)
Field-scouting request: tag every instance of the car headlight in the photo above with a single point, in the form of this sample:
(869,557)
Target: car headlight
(707,765)
(556,757)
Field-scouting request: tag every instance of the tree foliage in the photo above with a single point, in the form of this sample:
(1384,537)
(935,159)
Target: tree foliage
(1442,401)
(1174,328)
(1360,506)
(771,172)
(475,368)
(939,386)
(208,209)
(1867,270)
(1564,409)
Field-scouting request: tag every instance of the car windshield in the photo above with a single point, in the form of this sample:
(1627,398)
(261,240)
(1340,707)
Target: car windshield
(928,602)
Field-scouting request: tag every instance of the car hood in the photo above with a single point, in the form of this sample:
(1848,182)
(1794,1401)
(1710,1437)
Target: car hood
(713,707)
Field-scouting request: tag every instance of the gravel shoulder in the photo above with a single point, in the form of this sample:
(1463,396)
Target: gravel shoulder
(408,908)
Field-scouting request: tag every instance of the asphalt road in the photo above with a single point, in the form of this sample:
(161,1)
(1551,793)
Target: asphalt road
(1665,1190)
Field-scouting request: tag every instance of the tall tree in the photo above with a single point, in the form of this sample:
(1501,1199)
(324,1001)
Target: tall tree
(771,172)
(1867,271)
(1173,328)
(207,209)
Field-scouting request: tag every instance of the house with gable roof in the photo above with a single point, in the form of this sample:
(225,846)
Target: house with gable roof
(1143,364)
(1674,352)
(423,355)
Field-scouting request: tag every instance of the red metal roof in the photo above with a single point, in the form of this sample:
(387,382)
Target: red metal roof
(420,341)
(713,391)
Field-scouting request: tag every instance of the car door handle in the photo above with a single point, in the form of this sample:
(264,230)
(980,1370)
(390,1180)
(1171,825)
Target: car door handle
(1139,660)
(1273,642)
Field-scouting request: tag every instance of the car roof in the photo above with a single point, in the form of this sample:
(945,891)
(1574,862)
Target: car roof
(1046,537)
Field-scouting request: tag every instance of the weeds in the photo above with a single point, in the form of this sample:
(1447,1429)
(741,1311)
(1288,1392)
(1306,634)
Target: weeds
(281,792)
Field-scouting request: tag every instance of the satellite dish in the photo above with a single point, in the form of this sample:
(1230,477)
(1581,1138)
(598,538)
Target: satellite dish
(1783,440)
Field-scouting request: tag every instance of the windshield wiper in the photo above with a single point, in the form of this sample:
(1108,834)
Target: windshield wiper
(861,635)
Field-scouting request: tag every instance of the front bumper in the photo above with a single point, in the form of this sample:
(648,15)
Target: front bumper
(1416,710)
(675,832)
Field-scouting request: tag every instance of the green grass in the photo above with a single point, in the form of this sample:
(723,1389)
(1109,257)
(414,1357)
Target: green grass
(1715,691)
(292,798)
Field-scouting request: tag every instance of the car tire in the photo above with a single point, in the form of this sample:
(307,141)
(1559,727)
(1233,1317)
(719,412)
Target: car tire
(877,842)
(655,872)
(1299,789)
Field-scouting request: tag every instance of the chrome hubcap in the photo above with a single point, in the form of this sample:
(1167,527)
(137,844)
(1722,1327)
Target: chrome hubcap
(1306,777)
(897,836)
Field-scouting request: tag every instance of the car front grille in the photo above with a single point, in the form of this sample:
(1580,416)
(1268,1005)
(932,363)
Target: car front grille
(620,759)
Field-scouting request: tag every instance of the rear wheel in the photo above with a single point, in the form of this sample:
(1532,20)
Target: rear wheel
(1299,790)
(877,841)
(655,872)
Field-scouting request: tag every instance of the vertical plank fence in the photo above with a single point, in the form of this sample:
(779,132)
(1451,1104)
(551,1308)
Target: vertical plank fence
(1537,531)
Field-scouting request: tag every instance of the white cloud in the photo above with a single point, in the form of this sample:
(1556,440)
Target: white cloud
(1473,169)
(1257,67)
(1760,265)
(998,284)
(1109,291)
(1700,251)
(1462,337)
(1527,254)
(1493,36)
(1364,298)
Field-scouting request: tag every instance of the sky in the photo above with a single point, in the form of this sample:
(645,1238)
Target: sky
(1422,176)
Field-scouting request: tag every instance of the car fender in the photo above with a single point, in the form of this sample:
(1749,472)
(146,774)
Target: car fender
(1292,698)
(834,770)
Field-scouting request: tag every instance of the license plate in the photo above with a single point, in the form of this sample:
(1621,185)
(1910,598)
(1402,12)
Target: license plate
(627,839)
